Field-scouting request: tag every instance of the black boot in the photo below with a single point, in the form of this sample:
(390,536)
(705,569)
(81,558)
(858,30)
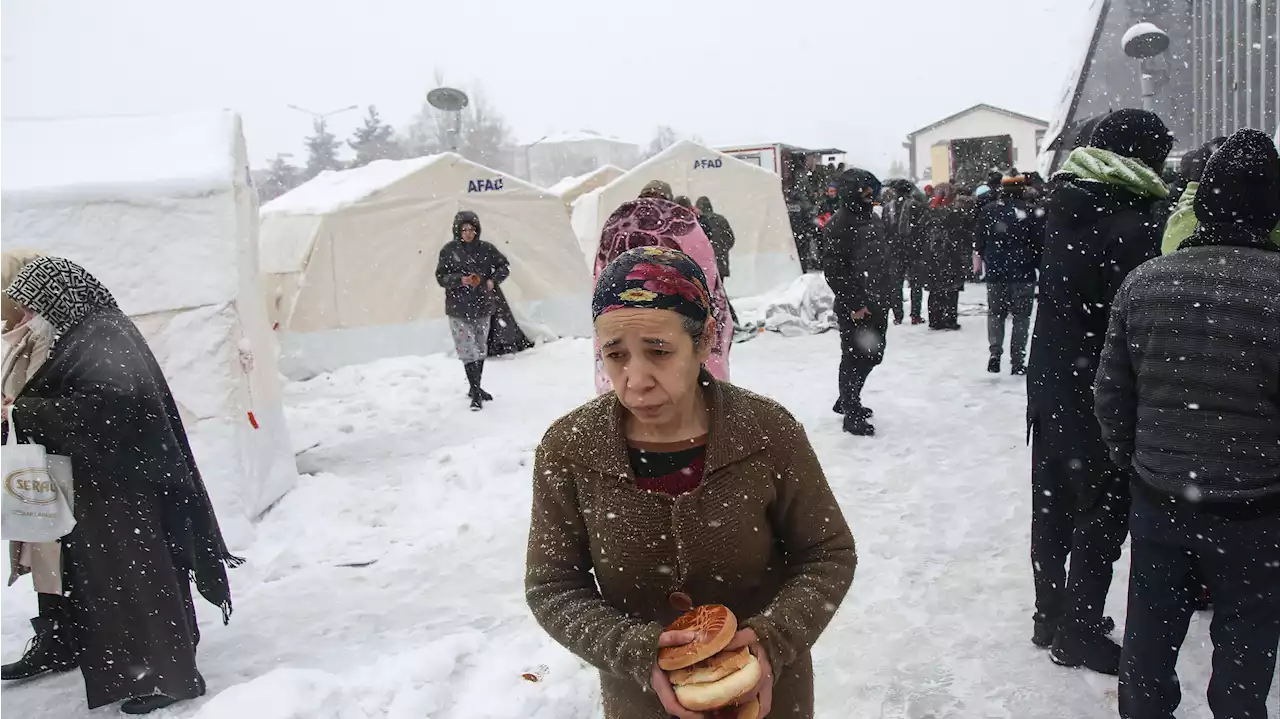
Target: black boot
(1088,648)
(53,649)
(479,380)
(473,379)
(1044,629)
(993,365)
(1018,369)
(858,426)
(147,704)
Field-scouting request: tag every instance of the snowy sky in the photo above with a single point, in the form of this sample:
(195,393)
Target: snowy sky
(851,73)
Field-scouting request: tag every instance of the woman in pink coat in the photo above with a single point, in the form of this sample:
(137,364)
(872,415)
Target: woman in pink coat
(651,221)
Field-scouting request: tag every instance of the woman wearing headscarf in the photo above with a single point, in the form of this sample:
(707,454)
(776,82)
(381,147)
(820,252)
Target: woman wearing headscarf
(27,338)
(679,489)
(470,270)
(144,524)
(654,222)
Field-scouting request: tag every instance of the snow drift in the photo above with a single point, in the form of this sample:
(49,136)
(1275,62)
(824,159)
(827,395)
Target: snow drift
(162,210)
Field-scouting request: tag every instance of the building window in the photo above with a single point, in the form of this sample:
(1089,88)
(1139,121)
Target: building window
(1039,141)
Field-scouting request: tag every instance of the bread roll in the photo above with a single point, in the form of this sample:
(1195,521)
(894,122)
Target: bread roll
(714,695)
(750,710)
(715,626)
(711,670)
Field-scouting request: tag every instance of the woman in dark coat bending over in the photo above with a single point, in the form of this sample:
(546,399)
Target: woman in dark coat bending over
(144,524)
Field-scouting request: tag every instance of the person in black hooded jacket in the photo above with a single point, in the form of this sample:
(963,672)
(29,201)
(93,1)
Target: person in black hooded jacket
(470,271)
(857,266)
(1188,395)
(1100,225)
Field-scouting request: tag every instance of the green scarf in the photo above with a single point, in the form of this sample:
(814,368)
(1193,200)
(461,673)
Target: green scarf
(1092,163)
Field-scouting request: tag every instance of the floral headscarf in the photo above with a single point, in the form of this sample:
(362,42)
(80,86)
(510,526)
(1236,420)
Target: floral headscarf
(658,223)
(653,278)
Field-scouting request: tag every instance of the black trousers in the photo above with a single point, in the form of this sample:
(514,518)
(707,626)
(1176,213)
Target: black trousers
(862,346)
(1080,509)
(944,308)
(917,295)
(1240,561)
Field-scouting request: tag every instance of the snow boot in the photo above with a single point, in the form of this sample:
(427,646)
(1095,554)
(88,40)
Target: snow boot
(860,412)
(993,365)
(858,426)
(1087,648)
(479,379)
(917,320)
(147,704)
(1044,629)
(473,379)
(1018,369)
(53,648)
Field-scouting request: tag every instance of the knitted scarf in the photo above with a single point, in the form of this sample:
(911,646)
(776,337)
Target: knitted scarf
(1092,163)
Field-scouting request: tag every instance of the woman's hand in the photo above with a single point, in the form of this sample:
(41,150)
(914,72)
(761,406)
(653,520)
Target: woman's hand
(662,685)
(489,284)
(763,691)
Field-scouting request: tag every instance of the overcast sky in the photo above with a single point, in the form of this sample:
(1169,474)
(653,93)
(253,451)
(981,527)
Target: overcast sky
(853,73)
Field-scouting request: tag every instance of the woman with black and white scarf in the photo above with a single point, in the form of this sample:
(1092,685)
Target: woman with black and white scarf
(144,525)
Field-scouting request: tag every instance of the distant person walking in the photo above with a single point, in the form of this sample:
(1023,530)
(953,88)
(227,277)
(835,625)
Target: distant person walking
(1101,225)
(857,268)
(720,233)
(947,247)
(1010,237)
(470,271)
(1188,396)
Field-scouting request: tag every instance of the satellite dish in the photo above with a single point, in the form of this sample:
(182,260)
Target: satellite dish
(1144,40)
(447,99)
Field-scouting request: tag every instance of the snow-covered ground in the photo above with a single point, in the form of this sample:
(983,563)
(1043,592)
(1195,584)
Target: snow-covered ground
(389,583)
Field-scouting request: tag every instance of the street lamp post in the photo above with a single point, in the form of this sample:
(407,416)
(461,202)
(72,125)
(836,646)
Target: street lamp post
(322,117)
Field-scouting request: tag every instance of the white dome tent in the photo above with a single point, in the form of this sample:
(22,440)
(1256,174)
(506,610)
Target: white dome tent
(350,259)
(162,211)
(764,256)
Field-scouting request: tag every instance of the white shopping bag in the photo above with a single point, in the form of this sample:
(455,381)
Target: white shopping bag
(38,491)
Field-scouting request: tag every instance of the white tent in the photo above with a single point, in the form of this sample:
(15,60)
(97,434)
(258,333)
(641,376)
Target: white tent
(161,209)
(350,259)
(764,257)
(571,188)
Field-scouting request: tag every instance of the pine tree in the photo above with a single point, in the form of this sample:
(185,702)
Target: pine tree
(322,151)
(282,176)
(375,140)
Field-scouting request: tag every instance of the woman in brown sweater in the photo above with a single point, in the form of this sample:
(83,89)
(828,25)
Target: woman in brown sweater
(678,489)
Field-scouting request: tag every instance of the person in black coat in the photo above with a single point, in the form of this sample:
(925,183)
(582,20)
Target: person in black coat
(904,224)
(1100,227)
(144,523)
(719,233)
(1188,396)
(470,271)
(1009,238)
(948,242)
(856,263)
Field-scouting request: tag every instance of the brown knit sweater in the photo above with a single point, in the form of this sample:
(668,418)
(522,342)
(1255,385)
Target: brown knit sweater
(762,534)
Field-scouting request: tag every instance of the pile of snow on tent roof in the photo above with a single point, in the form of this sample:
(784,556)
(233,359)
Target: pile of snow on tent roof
(107,158)
(332,190)
(161,210)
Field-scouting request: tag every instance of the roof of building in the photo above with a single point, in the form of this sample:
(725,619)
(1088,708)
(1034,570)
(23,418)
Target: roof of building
(975,108)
